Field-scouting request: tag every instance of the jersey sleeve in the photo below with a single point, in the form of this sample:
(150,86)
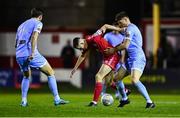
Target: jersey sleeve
(95,35)
(38,27)
(129,33)
(98,33)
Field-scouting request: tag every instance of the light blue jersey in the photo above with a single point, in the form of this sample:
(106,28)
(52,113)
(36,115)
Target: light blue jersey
(136,59)
(23,37)
(23,45)
(114,40)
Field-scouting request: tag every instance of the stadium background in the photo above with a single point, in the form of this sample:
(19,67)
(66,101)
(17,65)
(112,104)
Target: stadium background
(65,19)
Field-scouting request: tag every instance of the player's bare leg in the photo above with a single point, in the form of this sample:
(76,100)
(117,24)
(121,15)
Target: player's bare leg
(109,78)
(135,76)
(47,69)
(103,71)
(122,72)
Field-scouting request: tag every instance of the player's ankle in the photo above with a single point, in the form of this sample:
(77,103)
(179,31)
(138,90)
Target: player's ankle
(149,101)
(24,99)
(124,99)
(94,102)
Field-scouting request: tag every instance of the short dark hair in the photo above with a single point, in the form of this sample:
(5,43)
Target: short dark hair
(36,12)
(121,15)
(76,42)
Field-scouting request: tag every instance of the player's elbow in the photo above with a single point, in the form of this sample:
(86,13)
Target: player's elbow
(105,26)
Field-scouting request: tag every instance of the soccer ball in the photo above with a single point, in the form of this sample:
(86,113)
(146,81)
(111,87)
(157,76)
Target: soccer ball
(107,99)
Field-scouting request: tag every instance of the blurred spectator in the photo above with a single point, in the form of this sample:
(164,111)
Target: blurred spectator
(149,57)
(68,55)
(165,51)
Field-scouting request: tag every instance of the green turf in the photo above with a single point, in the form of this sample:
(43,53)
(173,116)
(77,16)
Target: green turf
(41,105)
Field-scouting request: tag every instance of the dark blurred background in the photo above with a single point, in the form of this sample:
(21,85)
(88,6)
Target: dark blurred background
(83,13)
(65,19)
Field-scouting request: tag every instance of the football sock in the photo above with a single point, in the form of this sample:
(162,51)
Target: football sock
(97,91)
(24,88)
(121,89)
(104,89)
(53,87)
(142,89)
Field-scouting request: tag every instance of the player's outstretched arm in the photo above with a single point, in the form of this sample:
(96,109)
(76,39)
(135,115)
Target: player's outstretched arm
(81,58)
(111,27)
(34,38)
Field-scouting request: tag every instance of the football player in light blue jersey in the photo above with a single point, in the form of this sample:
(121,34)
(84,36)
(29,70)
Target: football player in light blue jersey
(27,56)
(115,38)
(136,60)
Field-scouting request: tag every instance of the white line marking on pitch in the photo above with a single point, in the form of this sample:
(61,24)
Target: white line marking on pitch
(169,102)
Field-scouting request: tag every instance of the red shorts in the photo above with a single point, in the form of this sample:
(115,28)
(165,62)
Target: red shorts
(111,60)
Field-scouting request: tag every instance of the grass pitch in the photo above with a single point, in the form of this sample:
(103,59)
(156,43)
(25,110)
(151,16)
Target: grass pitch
(41,105)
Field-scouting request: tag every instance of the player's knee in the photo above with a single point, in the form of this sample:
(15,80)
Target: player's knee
(26,74)
(98,78)
(51,72)
(135,80)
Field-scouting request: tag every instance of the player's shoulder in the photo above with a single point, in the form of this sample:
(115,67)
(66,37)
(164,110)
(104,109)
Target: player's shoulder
(131,26)
(25,23)
(34,21)
(37,22)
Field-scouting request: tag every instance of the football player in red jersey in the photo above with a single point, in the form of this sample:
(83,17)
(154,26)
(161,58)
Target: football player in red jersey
(109,62)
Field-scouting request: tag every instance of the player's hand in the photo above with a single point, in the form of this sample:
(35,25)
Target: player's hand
(72,72)
(109,51)
(103,28)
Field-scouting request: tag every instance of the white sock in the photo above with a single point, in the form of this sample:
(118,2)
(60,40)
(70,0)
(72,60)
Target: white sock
(149,101)
(24,99)
(56,98)
(123,99)
(94,102)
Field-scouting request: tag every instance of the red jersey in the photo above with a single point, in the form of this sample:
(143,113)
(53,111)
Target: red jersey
(97,40)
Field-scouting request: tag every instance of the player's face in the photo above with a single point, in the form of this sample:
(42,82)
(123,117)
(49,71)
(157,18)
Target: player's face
(40,17)
(82,45)
(123,22)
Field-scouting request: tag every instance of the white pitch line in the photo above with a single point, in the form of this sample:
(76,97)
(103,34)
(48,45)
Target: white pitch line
(168,102)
